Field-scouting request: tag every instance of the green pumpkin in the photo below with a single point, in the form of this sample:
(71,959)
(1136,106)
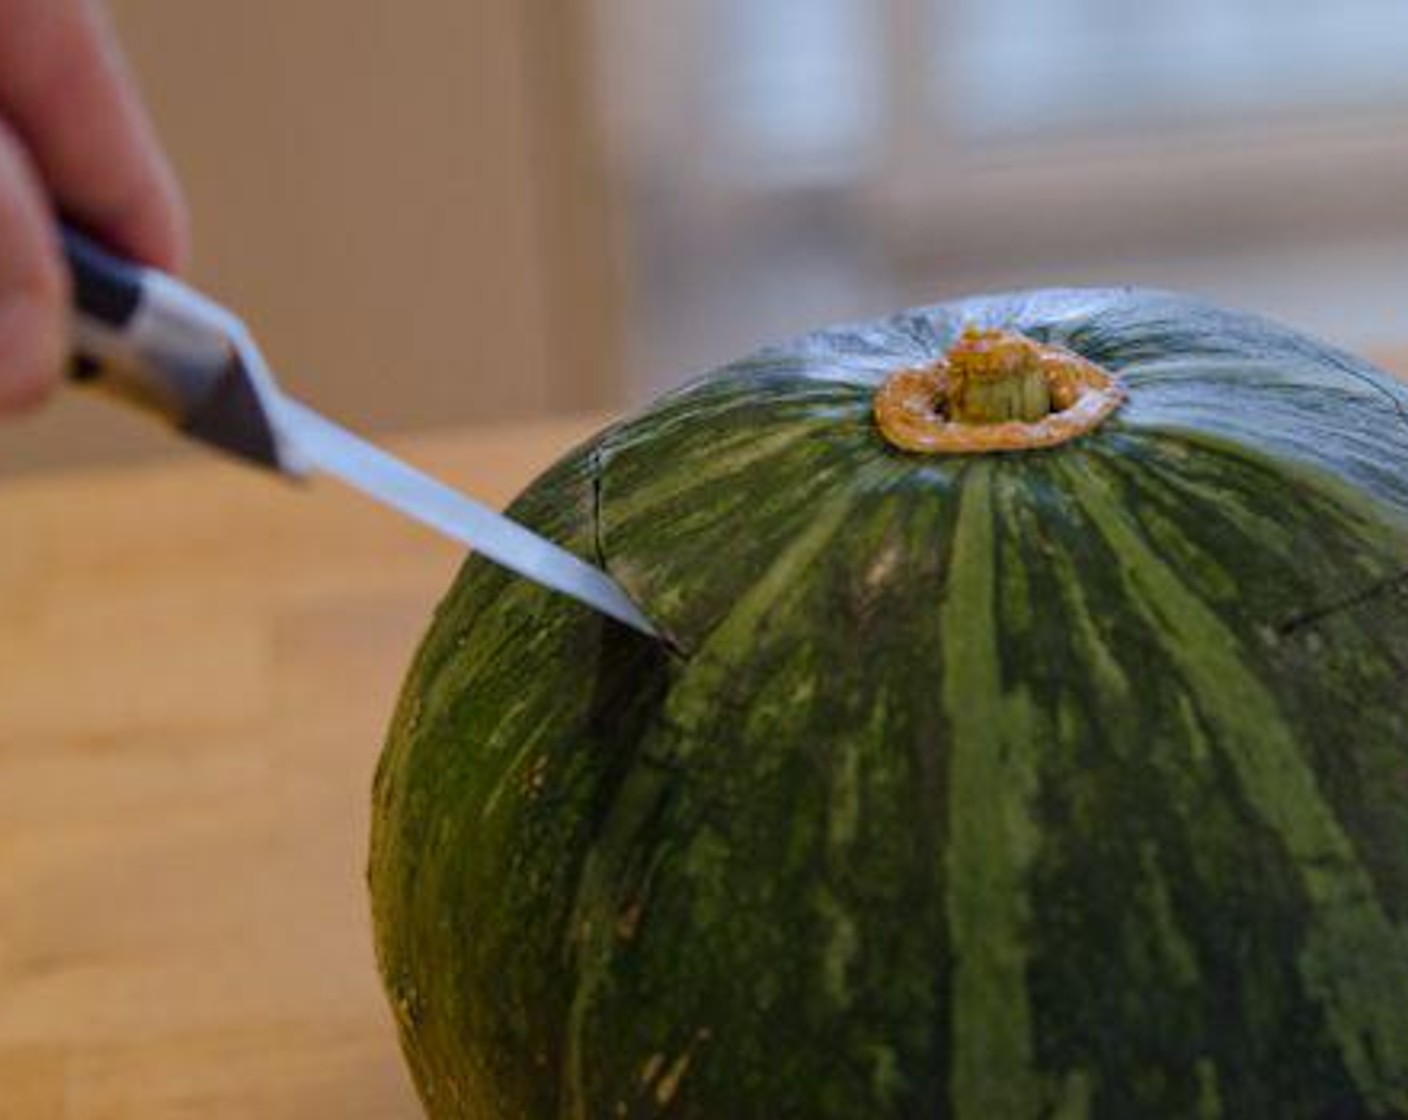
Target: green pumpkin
(1056,783)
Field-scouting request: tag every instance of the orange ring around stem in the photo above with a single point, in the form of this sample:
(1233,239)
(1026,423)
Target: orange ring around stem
(909,408)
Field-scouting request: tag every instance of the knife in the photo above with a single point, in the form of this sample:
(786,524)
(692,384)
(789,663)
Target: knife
(155,343)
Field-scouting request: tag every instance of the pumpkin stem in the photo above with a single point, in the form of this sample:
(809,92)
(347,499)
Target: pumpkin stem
(994,376)
(995,390)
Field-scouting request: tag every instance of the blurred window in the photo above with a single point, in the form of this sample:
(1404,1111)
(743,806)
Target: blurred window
(1016,66)
(789,161)
(792,92)
(796,87)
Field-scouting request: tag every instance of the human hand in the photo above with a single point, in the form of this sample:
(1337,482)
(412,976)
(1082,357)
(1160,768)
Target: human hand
(74,138)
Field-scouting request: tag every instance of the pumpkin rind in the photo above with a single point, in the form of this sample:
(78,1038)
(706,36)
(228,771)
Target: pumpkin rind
(1063,783)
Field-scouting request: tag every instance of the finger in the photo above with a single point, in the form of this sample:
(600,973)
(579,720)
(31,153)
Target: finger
(33,284)
(65,88)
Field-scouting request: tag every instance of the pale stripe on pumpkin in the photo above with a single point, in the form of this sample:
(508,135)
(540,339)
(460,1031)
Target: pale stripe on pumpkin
(1355,960)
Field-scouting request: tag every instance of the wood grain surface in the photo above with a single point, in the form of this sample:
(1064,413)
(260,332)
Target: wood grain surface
(196,667)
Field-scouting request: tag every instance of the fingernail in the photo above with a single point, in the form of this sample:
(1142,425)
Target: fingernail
(32,347)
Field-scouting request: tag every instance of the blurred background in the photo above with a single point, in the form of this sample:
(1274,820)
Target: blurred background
(437,212)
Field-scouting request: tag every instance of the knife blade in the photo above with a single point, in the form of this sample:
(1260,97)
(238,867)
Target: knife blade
(324,445)
(157,344)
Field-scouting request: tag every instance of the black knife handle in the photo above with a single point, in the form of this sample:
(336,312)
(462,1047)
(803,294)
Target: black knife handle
(106,288)
(151,341)
(119,345)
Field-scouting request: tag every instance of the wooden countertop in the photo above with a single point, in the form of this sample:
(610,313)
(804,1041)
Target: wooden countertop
(196,667)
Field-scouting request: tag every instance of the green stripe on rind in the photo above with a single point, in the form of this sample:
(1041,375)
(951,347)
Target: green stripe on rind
(593,942)
(787,936)
(1074,1097)
(475,847)
(1209,1095)
(1354,958)
(994,751)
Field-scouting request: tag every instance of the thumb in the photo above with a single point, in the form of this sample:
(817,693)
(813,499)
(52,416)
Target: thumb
(33,284)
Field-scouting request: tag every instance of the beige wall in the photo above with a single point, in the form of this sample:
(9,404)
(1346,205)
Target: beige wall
(403,198)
